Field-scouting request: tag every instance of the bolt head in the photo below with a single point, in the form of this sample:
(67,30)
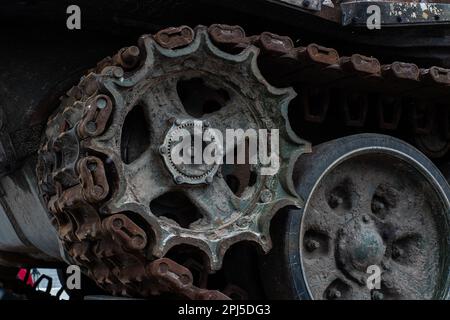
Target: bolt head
(377,206)
(118,72)
(92,166)
(396,252)
(334,293)
(91,126)
(101,103)
(162,149)
(185,32)
(117,223)
(377,295)
(335,201)
(365,218)
(266,196)
(241,223)
(177,122)
(179,179)
(312,245)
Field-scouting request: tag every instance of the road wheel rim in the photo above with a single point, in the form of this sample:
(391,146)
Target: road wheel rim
(375,208)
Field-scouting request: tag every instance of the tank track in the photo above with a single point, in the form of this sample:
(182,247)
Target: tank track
(76,183)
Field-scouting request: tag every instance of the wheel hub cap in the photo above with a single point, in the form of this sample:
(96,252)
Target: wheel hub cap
(359,247)
(183,151)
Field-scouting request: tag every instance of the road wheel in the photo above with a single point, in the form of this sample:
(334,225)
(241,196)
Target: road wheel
(372,202)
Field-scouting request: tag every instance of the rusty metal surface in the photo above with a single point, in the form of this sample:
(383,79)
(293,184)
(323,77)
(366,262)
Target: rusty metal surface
(81,170)
(103,207)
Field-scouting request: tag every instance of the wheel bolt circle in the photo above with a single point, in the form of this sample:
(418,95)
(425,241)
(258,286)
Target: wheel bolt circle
(396,252)
(335,201)
(377,206)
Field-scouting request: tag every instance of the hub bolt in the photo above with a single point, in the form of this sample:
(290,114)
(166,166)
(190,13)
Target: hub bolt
(118,72)
(377,295)
(377,206)
(178,179)
(335,201)
(312,245)
(266,196)
(396,252)
(334,293)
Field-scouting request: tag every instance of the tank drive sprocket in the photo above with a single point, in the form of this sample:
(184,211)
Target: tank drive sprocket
(118,199)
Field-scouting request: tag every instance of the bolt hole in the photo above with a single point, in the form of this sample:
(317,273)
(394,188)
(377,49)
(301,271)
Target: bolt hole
(384,199)
(339,198)
(232,182)
(135,135)
(338,290)
(176,207)
(315,243)
(239,177)
(406,250)
(199,99)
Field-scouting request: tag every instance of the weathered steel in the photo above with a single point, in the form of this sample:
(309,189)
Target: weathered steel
(101,204)
(100,197)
